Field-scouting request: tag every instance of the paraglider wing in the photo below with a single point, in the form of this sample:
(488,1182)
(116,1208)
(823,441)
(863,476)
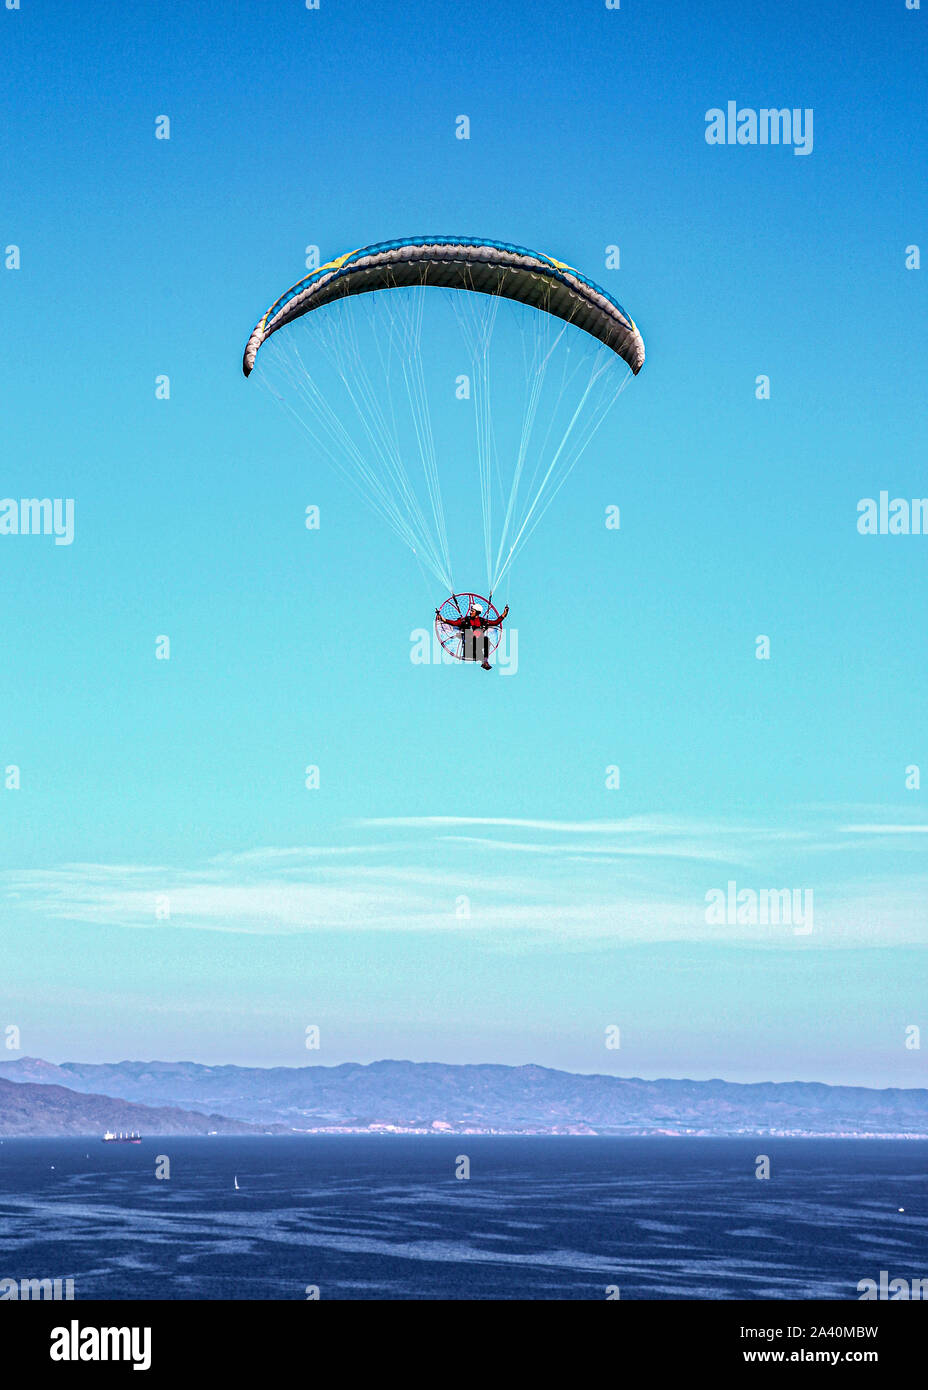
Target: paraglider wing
(537,355)
(464,263)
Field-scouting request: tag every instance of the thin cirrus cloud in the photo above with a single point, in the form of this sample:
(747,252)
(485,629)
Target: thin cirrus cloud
(885,829)
(628,826)
(657,835)
(639,879)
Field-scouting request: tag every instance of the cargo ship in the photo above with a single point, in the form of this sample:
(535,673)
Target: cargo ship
(133,1138)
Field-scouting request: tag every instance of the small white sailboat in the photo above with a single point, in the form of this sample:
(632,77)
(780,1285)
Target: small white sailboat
(235,1180)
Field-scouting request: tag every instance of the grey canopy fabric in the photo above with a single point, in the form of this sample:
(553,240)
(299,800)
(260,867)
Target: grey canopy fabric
(464,263)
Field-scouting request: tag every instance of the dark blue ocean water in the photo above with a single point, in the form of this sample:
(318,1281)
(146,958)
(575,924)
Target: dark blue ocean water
(371,1217)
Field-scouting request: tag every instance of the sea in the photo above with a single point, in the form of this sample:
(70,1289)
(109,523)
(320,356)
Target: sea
(463,1217)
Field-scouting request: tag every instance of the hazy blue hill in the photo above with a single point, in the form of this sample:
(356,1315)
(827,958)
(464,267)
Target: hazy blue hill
(485,1097)
(34,1109)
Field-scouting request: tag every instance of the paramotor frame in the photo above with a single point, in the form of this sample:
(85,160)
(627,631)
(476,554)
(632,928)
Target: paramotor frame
(462,643)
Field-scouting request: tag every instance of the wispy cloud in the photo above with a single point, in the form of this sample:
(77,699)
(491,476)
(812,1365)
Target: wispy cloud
(298,854)
(599,851)
(629,825)
(637,879)
(885,829)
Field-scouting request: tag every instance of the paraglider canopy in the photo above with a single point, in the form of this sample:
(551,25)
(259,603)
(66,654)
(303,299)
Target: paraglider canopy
(464,263)
(453,381)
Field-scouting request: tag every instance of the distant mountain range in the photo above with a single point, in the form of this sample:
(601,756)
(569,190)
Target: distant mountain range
(38,1097)
(29,1109)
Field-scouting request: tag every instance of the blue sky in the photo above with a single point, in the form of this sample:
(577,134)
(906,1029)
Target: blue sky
(343,906)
